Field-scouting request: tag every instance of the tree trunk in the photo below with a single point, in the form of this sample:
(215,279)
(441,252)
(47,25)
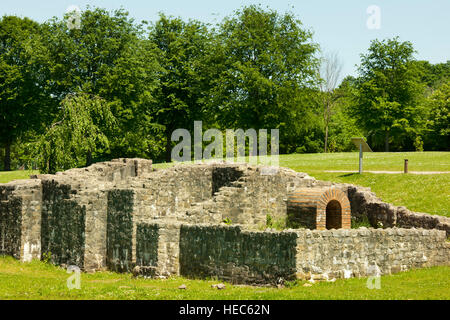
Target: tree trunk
(168,146)
(327,120)
(89,158)
(52,159)
(386,141)
(7,159)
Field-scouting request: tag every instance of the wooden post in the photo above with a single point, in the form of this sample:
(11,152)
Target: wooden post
(406,166)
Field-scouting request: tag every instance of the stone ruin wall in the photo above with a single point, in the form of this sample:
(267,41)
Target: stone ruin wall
(365,203)
(242,256)
(20,219)
(121,214)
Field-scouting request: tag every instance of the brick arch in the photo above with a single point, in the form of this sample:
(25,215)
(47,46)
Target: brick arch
(319,208)
(328,216)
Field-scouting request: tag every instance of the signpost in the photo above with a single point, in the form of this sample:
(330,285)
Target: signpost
(363,146)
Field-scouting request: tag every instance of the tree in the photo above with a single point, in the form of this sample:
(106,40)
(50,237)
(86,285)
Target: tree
(21,98)
(267,72)
(342,125)
(438,106)
(433,75)
(182,95)
(109,57)
(389,94)
(329,74)
(77,135)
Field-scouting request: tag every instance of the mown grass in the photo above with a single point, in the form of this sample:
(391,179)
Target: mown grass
(420,193)
(7,176)
(377,161)
(38,280)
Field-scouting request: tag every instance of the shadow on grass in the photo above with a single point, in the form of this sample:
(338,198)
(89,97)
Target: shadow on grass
(349,175)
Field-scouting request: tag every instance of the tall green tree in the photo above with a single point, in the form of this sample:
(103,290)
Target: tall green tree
(269,67)
(107,56)
(389,93)
(21,97)
(182,96)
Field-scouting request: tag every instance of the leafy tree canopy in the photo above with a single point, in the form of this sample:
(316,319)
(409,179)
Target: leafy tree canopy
(389,93)
(21,97)
(77,135)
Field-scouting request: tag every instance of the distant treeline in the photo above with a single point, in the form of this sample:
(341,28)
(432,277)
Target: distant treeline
(72,94)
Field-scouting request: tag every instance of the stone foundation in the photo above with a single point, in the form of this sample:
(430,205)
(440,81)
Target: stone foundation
(236,255)
(125,216)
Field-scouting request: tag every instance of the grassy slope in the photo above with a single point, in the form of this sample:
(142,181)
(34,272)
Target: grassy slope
(392,161)
(37,280)
(421,193)
(6,176)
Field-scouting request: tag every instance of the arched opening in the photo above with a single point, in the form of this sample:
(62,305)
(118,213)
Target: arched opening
(333,215)
(318,208)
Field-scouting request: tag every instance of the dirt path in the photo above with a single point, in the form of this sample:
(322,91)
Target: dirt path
(391,172)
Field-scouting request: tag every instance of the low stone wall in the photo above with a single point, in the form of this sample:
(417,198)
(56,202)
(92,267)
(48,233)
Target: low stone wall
(10,222)
(365,203)
(237,256)
(165,194)
(119,230)
(147,239)
(365,252)
(233,254)
(63,225)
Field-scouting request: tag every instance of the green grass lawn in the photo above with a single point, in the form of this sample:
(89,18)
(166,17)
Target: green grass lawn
(7,176)
(422,193)
(38,280)
(391,161)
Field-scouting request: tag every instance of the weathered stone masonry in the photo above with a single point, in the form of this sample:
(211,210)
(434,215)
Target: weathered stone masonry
(319,208)
(20,219)
(125,216)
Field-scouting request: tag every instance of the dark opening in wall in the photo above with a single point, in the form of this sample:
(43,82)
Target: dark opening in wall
(223,177)
(333,215)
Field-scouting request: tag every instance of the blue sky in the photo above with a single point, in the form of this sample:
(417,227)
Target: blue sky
(338,26)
